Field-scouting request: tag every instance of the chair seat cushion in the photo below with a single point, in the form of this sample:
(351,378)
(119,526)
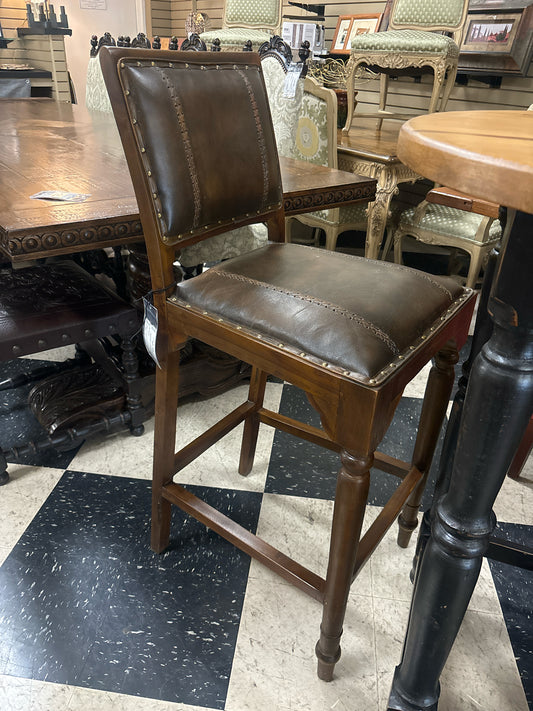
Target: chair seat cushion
(348,214)
(54,305)
(451,222)
(235,37)
(345,312)
(418,41)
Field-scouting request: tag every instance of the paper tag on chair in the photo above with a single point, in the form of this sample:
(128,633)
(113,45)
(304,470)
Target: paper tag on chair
(150,326)
(291,80)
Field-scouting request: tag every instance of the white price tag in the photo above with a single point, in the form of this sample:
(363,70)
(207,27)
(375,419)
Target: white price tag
(291,80)
(150,326)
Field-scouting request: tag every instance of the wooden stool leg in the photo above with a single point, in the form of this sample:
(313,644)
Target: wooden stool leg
(256,395)
(350,502)
(436,398)
(166,405)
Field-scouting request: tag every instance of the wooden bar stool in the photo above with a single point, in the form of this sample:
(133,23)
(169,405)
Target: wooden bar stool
(351,341)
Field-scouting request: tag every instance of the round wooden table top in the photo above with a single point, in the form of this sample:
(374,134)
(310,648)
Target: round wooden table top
(486,154)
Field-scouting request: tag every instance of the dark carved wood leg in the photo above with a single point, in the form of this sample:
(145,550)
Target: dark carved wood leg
(256,394)
(437,396)
(166,405)
(496,411)
(130,363)
(350,501)
(482,332)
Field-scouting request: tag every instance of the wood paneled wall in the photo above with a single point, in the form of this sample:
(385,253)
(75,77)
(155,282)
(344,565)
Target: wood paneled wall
(167,17)
(12,15)
(515,92)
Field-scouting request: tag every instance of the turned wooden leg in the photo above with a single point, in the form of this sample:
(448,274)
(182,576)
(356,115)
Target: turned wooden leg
(496,410)
(130,363)
(256,395)
(166,404)
(350,502)
(437,396)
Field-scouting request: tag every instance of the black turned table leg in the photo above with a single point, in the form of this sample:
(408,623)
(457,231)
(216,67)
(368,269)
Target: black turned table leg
(497,407)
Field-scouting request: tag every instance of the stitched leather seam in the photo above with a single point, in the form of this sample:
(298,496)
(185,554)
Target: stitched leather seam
(189,155)
(260,135)
(381,335)
(414,272)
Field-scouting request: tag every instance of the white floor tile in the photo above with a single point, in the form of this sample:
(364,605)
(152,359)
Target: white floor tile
(124,455)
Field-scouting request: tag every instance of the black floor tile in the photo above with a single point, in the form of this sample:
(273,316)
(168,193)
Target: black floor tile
(299,468)
(84,601)
(515,591)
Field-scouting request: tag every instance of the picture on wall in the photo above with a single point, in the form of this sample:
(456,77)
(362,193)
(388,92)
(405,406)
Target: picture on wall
(348,27)
(490,33)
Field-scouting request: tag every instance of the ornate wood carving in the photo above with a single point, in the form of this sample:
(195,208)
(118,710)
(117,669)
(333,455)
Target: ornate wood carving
(308,202)
(71,239)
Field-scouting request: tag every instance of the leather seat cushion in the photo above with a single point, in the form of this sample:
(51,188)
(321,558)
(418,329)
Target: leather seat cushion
(349,312)
(57,304)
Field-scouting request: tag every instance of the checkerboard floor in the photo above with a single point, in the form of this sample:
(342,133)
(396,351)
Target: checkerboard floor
(91,618)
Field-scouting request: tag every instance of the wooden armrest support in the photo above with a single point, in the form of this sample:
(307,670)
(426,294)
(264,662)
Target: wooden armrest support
(453,198)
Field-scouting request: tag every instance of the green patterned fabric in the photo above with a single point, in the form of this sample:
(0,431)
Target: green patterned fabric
(311,143)
(349,214)
(235,37)
(285,110)
(253,13)
(405,41)
(96,96)
(224,246)
(446,14)
(450,221)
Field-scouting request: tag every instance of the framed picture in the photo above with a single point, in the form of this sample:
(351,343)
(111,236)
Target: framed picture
(497,42)
(348,27)
(490,33)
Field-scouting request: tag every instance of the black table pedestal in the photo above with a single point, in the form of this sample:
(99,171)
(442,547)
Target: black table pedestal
(497,408)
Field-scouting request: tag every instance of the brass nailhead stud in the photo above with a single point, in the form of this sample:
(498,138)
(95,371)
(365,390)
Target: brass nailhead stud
(160,216)
(149,173)
(127,91)
(372,381)
(143,150)
(154,195)
(187,306)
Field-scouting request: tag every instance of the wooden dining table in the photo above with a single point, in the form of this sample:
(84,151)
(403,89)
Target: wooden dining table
(367,150)
(489,155)
(45,145)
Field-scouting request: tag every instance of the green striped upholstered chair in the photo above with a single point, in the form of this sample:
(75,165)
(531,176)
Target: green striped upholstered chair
(254,20)
(413,40)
